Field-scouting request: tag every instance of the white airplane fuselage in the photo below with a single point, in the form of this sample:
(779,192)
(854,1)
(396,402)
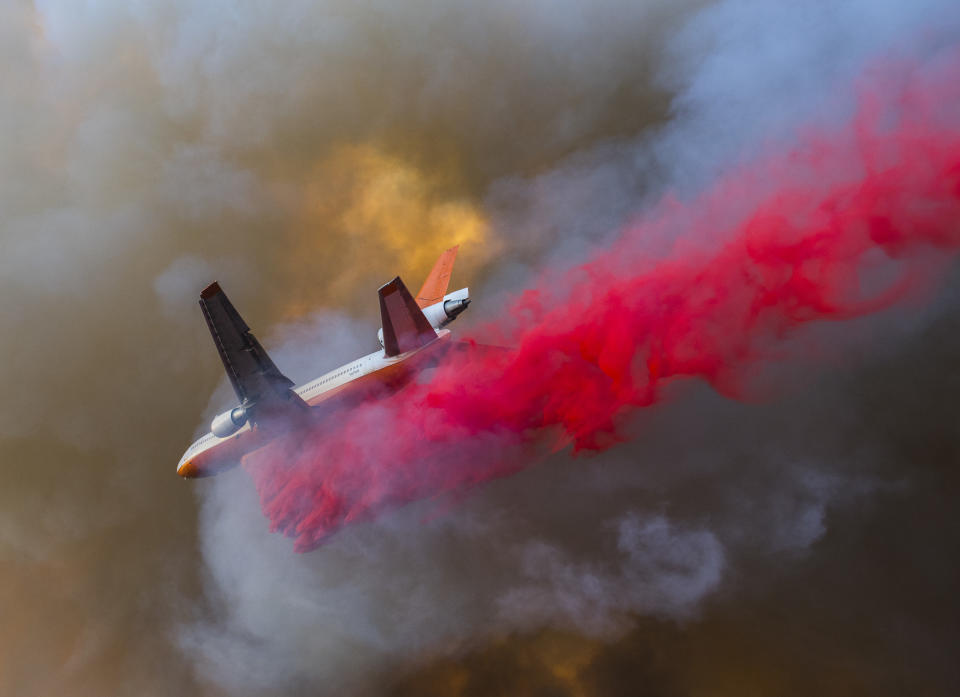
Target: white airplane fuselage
(269,405)
(346,386)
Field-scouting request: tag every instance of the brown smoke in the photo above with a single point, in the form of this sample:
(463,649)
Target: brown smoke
(303,152)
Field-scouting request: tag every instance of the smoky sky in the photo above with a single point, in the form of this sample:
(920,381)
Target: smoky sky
(302,153)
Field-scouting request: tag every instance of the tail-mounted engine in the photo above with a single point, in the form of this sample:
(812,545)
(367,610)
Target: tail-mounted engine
(444,312)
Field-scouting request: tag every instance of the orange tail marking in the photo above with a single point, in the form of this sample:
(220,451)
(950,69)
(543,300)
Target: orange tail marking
(435,287)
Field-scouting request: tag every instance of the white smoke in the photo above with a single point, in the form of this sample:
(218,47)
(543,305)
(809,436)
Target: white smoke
(659,571)
(147,148)
(747,75)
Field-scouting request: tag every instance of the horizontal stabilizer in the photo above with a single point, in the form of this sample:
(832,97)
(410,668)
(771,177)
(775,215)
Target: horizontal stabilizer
(405,327)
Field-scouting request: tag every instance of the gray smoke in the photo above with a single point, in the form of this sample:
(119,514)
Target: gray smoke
(302,153)
(653,528)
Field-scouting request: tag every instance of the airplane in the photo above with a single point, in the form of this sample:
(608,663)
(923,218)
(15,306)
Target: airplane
(413,330)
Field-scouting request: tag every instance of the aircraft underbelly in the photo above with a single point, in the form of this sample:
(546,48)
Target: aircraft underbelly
(391,376)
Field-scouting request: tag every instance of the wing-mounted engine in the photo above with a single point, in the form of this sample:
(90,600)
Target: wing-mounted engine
(263,391)
(229,422)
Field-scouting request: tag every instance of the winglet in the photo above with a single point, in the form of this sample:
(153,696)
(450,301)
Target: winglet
(210,290)
(435,287)
(405,327)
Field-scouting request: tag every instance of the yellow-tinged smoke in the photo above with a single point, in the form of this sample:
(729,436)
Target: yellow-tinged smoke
(382,216)
(549,661)
(303,153)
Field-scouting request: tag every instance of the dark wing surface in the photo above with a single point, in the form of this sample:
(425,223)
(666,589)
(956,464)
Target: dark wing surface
(258,382)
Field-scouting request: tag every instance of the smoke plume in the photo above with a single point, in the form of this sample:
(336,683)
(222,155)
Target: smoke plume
(797,541)
(781,215)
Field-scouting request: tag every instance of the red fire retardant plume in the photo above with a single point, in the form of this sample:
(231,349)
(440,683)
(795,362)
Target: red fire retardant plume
(845,223)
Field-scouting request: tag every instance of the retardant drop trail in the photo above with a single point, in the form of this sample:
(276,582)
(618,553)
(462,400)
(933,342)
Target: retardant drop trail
(794,238)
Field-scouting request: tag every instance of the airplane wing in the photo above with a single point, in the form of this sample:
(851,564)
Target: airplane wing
(259,384)
(405,327)
(435,287)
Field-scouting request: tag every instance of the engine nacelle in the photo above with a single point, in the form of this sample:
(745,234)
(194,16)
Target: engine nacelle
(444,312)
(229,422)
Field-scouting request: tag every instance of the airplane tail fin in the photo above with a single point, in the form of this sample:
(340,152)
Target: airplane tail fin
(405,327)
(435,287)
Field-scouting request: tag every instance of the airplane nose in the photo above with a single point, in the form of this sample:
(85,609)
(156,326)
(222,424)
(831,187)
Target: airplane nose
(187,469)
